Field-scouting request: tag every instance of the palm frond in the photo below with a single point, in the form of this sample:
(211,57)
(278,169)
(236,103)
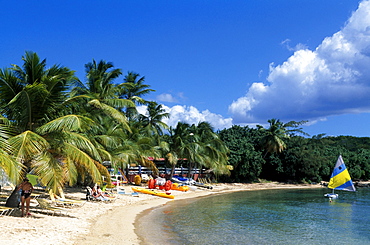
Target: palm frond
(10,166)
(83,159)
(73,123)
(82,143)
(49,170)
(28,145)
(71,172)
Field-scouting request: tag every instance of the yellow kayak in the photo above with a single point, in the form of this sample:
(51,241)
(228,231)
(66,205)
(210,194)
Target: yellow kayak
(152,192)
(175,186)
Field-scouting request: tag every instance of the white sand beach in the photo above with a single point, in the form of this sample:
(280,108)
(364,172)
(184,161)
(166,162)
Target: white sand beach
(103,223)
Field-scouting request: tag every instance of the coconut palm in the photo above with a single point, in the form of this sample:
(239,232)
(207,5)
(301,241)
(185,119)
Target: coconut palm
(48,144)
(274,137)
(198,145)
(32,94)
(133,89)
(273,140)
(214,148)
(152,122)
(133,147)
(68,143)
(100,96)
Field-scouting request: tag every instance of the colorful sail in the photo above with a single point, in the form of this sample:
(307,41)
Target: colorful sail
(340,178)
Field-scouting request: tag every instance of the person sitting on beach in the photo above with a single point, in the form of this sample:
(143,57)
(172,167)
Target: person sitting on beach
(98,194)
(93,191)
(26,190)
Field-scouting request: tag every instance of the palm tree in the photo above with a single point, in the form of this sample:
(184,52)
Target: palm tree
(153,121)
(133,147)
(273,141)
(32,94)
(182,145)
(67,142)
(277,133)
(197,144)
(51,145)
(101,94)
(215,149)
(133,89)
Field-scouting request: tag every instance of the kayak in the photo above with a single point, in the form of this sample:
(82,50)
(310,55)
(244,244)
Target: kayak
(152,192)
(177,187)
(203,185)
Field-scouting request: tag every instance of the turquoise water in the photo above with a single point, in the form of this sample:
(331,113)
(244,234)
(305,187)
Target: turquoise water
(289,216)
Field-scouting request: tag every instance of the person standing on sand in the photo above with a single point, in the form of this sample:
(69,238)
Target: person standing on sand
(26,190)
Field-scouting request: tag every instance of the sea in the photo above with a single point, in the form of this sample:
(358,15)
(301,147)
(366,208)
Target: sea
(283,216)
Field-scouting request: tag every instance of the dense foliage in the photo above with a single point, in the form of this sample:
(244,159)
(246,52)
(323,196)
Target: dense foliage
(63,129)
(303,159)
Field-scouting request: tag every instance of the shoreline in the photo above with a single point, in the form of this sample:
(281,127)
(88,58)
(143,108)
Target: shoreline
(120,223)
(106,223)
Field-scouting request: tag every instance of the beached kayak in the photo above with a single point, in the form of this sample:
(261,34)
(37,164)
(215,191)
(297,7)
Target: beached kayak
(203,185)
(152,192)
(177,187)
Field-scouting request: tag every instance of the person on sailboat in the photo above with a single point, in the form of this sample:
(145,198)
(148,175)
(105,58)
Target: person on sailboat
(340,179)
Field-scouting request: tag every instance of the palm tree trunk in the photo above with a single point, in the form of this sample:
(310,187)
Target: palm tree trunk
(173,169)
(190,169)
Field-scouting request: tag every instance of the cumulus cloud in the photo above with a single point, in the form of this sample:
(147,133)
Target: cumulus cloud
(333,79)
(166,98)
(191,115)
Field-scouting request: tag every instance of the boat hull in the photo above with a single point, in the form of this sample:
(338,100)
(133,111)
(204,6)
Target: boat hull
(331,195)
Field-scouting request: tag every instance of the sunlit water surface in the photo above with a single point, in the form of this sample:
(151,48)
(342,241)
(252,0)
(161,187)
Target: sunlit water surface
(289,216)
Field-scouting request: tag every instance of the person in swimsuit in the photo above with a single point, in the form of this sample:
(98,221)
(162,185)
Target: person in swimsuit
(99,194)
(26,190)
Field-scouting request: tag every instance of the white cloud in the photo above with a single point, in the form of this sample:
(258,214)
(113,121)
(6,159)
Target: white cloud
(297,47)
(166,98)
(333,79)
(191,115)
(142,109)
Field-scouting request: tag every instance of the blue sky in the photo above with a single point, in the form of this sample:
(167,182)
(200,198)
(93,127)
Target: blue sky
(226,62)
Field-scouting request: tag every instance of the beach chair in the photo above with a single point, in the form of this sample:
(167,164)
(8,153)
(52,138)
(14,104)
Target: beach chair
(89,196)
(64,199)
(46,206)
(3,198)
(55,200)
(6,211)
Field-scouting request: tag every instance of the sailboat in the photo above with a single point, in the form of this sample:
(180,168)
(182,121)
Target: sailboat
(340,179)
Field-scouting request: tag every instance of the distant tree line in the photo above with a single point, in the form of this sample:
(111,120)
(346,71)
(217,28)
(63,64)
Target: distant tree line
(279,153)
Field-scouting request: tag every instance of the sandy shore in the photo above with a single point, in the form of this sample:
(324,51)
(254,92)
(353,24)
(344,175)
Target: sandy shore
(103,223)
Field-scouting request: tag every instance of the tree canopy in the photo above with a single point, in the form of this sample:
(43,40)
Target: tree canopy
(62,129)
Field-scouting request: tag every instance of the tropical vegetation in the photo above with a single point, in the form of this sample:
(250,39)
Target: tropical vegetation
(280,152)
(63,129)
